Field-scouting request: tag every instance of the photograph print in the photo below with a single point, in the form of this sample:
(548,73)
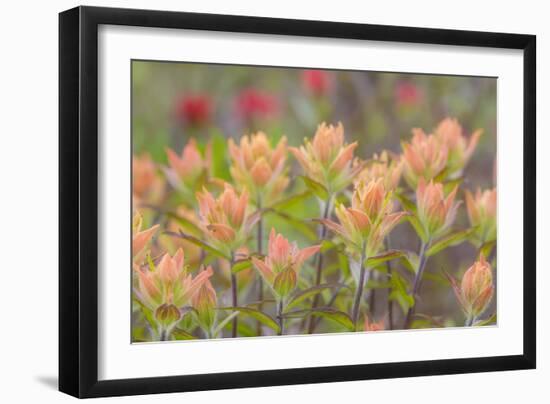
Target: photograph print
(273,201)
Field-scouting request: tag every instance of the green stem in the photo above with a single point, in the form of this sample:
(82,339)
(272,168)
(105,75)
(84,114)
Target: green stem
(234,301)
(280,307)
(417,281)
(389,270)
(359,289)
(259,278)
(322,235)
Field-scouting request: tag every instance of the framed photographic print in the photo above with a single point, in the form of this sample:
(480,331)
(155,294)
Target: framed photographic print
(251,201)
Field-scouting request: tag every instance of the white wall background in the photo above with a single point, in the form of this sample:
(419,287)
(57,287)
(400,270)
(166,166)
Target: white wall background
(28,202)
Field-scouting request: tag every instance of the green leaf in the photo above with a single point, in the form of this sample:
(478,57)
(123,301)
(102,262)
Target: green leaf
(147,313)
(185,223)
(296,223)
(449,241)
(429,321)
(487,248)
(199,243)
(223,323)
(241,265)
(181,335)
(305,294)
(318,189)
(450,185)
(150,263)
(372,284)
(399,292)
(343,261)
(384,257)
(489,320)
(442,175)
(415,223)
(327,245)
(327,312)
(257,315)
(291,200)
(410,261)
(406,202)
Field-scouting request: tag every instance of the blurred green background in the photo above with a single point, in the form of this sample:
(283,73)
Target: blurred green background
(378,109)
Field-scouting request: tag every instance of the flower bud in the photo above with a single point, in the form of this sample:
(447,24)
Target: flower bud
(285,282)
(167,314)
(205,302)
(477,288)
(482,212)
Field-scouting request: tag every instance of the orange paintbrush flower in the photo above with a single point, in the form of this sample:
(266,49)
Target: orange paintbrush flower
(140,238)
(205,302)
(482,212)
(460,149)
(476,289)
(424,157)
(147,184)
(167,288)
(281,265)
(436,212)
(258,167)
(188,169)
(370,218)
(326,159)
(383,166)
(376,326)
(225,220)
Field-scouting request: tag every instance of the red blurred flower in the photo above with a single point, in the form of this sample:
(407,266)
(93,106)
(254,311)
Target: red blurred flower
(253,104)
(194,109)
(316,82)
(407,93)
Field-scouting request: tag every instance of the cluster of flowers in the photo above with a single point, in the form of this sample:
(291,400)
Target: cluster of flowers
(252,104)
(361,202)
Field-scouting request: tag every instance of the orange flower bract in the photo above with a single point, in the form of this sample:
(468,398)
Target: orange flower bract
(460,149)
(281,265)
(140,238)
(424,157)
(373,326)
(482,212)
(225,220)
(186,170)
(476,289)
(259,167)
(383,166)
(326,159)
(168,284)
(370,218)
(436,211)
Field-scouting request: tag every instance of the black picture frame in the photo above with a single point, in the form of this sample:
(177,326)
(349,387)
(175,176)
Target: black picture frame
(78,200)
